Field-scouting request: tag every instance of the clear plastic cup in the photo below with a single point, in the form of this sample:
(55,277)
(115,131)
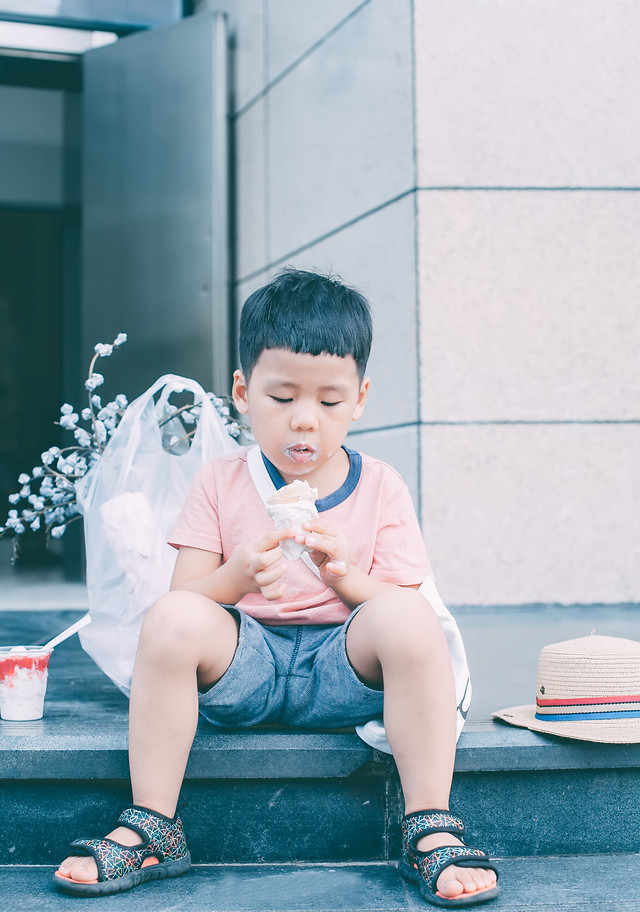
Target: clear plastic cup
(23,682)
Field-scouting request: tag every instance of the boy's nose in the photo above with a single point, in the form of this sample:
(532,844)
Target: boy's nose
(304,419)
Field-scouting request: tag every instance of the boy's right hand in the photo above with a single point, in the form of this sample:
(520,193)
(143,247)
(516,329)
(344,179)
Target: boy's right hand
(260,565)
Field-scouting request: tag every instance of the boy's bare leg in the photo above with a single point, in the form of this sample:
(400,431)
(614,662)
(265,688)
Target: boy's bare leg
(396,640)
(186,641)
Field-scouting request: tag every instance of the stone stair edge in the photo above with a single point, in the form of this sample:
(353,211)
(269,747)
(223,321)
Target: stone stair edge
(37,751)
(538,884)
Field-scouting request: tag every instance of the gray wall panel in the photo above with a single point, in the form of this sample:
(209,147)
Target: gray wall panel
(154,205)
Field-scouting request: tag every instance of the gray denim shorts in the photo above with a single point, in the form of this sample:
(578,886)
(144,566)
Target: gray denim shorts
(296,675)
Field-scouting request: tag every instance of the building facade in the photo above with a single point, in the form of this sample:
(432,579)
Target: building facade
(473,168)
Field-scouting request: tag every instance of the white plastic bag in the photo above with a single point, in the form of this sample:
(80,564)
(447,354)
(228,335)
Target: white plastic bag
(130,501)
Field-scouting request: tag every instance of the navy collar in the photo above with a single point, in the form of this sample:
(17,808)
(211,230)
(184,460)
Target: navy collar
(331,500)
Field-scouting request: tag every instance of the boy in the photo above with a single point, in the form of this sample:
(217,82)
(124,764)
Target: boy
(247,637)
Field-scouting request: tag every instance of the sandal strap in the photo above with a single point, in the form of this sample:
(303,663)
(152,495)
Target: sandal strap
(424,823)
(164,835)
(432,864)
(112,859)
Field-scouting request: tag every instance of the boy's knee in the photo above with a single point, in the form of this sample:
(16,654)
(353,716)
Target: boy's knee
(403,620)
(179,619)
(399,609)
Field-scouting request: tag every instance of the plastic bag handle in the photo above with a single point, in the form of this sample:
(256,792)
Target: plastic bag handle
(168,383)
(130,424)
(176,384)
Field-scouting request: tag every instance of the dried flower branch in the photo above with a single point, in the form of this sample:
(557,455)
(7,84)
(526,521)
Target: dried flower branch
(47,497)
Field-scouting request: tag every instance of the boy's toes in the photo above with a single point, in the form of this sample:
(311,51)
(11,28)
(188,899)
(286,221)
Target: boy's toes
(79,867)
(450,888)
(455,880)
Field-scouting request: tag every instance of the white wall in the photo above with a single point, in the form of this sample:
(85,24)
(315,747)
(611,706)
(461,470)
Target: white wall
(529,233)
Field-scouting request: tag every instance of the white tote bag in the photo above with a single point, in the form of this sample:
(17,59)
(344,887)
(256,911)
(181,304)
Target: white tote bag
(130,501)
(373,732)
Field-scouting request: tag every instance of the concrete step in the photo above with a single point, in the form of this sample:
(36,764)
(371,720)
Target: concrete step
(281,795)
(597,883)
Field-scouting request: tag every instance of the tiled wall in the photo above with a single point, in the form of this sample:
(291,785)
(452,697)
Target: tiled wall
(325,178)
(473,166)
(529,234)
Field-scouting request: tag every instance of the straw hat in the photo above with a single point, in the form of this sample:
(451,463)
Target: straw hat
(588,689)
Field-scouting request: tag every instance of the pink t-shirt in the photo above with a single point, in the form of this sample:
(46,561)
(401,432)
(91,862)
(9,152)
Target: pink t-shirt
(223,510)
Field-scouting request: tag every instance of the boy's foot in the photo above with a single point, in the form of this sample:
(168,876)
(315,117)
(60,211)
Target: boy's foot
(434,856)
(455,881)
(146,846)
(83,868)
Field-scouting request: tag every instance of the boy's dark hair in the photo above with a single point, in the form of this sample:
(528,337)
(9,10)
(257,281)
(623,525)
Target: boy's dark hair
(305,312)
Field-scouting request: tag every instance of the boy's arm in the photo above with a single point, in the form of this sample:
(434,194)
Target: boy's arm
(194,566)
(255,567)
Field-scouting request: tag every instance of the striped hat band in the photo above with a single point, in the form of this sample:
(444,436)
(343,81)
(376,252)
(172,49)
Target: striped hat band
(595,708)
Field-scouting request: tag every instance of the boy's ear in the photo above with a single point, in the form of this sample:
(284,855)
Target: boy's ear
(239,393)
(362,398)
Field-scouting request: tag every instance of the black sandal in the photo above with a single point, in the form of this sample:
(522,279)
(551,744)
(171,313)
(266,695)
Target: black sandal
(424,868)
(163,853)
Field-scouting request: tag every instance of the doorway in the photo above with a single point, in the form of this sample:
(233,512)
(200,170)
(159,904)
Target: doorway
(30,351)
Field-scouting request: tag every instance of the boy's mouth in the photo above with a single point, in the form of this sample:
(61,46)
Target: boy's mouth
(301,452)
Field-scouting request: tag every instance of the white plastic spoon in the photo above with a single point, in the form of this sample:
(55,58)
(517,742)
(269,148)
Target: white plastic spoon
(78,625)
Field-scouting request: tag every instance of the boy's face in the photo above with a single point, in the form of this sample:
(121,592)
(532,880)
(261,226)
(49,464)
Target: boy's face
(301,407)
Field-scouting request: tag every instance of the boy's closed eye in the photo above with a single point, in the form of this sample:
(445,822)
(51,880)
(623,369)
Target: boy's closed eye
(284,401)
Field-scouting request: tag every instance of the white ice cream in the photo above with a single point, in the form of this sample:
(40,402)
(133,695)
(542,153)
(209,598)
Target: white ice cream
(293,505)
(22,689)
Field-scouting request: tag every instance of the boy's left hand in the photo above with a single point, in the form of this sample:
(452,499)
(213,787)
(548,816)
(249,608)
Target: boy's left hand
(330,551)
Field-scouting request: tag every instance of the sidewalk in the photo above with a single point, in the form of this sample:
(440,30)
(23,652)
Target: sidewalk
(36,590)
(593,883)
